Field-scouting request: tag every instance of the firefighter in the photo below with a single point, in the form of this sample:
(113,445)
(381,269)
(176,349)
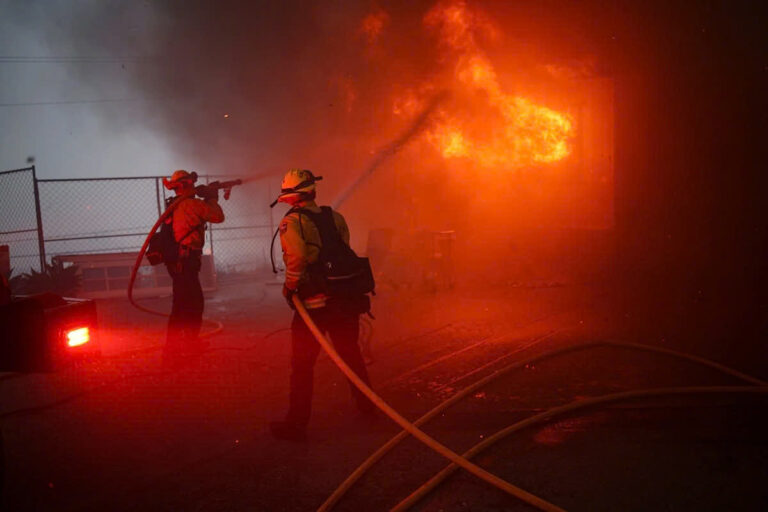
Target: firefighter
(301,242)
(188,223)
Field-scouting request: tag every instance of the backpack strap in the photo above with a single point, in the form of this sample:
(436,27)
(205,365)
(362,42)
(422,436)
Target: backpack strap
(326,227)
(192,230)
(188,233)
(299,210)
(323,221)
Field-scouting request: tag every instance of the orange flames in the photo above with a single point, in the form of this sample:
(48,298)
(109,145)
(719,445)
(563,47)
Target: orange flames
(500,129)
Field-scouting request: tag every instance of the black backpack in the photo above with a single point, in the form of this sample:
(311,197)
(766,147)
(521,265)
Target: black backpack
(338,271)
(163,247)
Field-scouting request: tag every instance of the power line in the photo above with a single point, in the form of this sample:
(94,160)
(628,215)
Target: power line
(68,102)
(76,102)
(72,59)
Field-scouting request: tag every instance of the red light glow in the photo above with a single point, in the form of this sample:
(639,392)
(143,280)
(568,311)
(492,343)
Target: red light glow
(77,337)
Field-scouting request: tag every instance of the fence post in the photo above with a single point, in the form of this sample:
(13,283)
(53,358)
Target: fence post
(157,194)
(40,236)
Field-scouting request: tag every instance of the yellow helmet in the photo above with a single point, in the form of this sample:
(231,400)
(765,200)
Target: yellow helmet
(297,182)
(178,178)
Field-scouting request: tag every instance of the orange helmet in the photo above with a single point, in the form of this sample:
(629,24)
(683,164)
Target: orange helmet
(179,178)
(297,182)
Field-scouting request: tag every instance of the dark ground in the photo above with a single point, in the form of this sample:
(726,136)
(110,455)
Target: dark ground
(197,439)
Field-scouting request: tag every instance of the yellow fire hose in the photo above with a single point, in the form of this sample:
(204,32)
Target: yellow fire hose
(412,429)
(378,454)
(368,463)
(563,409)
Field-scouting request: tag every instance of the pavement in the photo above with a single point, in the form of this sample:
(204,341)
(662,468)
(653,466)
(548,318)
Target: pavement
(120,434)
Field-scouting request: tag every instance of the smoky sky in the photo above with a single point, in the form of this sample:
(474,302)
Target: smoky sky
(240,85)
(261,86)
(254,86)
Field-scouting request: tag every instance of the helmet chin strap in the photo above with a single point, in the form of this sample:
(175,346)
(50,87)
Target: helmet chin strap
(296,189)
(302,196)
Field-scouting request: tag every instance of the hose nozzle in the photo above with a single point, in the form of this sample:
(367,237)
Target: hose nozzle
(223,185)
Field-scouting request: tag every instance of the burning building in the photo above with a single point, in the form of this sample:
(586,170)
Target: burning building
(515,152)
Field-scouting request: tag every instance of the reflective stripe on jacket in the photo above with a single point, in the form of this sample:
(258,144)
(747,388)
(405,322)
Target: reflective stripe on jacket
(301,243)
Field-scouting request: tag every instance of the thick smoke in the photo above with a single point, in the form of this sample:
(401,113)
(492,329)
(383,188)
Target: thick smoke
(245,86)
(248,86)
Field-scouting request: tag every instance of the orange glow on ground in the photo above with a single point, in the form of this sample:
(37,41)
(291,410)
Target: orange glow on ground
(77,337)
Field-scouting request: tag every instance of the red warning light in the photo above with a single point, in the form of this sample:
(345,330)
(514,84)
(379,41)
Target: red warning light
(79,336)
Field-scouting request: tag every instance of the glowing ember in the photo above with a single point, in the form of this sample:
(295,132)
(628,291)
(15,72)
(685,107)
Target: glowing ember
(507,130)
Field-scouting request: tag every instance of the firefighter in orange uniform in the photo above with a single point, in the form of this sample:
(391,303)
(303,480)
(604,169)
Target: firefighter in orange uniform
(301,242)
(188,222)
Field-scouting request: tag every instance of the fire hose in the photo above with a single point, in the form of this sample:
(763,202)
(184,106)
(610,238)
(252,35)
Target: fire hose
(567,408)
(462,461)
(227,187)
(758,386)
(414,430)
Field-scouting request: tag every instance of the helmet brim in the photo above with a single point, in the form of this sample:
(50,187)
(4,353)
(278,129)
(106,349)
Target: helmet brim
(172,183)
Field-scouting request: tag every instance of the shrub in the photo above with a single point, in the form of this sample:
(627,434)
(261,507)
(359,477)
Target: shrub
(55,278)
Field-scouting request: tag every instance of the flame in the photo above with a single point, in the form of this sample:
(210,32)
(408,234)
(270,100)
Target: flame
(508,130)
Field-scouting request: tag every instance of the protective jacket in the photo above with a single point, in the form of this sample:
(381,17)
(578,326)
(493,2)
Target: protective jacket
(301,244)
(189,220)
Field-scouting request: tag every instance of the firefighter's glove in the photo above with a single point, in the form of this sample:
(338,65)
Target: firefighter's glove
(207,192)
(288,293)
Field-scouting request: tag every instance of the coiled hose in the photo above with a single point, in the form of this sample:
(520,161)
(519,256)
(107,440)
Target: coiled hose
(218,326)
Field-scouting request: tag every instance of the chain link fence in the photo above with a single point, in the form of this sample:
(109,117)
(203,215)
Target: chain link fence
(242,242)
(19,226)
(113,215)
(97,215)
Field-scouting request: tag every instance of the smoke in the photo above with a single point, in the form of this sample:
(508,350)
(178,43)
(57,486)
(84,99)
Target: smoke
(247,85)
(239,86)
(393,147)
(253,86)
(248,88)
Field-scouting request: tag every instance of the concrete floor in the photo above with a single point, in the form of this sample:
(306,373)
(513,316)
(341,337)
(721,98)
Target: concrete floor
(135,439)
